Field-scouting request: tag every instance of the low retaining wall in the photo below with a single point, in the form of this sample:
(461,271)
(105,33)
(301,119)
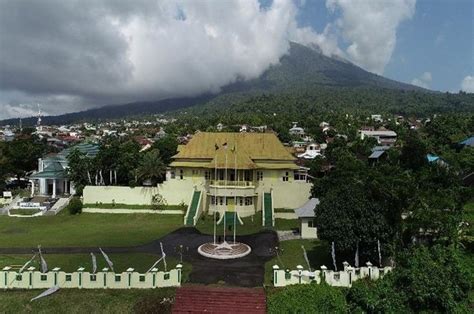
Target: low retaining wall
(343,278)
(285,215)
(132,211)
(31,279)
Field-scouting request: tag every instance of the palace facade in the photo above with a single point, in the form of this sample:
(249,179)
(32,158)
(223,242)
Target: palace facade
(245,172)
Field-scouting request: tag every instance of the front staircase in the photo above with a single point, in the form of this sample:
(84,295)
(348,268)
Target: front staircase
(200,299)
(267,210)
(190,217)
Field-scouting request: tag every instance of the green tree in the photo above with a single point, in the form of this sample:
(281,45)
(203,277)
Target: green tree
(151,167)
(347,215)
(167,146)
(22,155)
(413,152)
(79,170)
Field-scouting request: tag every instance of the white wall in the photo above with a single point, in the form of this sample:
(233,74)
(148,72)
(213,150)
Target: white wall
(343,278)
(175,192)
(32,279)
(308,232)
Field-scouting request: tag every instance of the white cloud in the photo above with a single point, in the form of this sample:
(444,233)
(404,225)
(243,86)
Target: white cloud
(424,80)
(370,27)
(467,84)
(118,51)
(69,56)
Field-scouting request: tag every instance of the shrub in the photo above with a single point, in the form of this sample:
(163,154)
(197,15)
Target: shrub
(312,298)
(75,206)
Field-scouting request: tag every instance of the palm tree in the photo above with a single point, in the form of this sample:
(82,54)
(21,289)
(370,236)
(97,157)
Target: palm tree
(151,167)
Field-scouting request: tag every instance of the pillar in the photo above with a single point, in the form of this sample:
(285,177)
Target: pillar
(32,187)
(54,188)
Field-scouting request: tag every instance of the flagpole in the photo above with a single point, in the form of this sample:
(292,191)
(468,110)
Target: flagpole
(215,194)
(225,186)
(235,189)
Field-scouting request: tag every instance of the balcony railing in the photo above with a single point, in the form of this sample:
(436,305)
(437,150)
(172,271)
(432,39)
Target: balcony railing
(223,183)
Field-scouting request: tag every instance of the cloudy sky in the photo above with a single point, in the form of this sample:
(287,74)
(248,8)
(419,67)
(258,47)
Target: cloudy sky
(72,55)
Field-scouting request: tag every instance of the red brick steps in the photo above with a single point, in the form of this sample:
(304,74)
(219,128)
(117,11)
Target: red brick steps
(202,299)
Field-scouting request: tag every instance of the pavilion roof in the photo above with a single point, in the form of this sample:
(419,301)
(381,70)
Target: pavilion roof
(242,150)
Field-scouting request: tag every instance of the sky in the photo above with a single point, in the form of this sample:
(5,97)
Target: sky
(72,55)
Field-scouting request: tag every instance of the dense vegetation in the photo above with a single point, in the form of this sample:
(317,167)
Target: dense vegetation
(20,156)
(120,162)
(412,207)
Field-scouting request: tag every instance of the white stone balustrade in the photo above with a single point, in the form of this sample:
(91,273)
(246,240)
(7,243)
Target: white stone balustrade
(80,279)
(342,278)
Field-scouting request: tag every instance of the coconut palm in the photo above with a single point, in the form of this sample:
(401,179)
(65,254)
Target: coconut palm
(151,167)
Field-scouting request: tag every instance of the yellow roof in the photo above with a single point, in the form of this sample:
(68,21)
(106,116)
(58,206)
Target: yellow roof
(276,166)
(251,146)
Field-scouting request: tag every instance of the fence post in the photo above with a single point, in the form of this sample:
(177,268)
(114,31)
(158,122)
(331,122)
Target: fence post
(300,270)
(275,274)
(369,265)
(130,271)
(80,270)
(350,269)
(6,271)
(105,270)
(56,270)
(323,273)
(179,267)
(153,271)
(30,276)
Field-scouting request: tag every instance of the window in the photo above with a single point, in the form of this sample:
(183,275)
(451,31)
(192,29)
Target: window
(142,278)
(68,277)
(173,174)
(248,175)
(298,176)
(19,277)
(311,224)
(118,278)
(286,176)
(337,276)
(44,277)
(259,175)
(241,201)
(207,175)
(213,200)
(248,201)
(93,278)
(221,200)
(167,276)
(181,174)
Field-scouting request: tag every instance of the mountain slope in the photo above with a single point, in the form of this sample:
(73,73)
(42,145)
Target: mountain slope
(306,67)
(303,68)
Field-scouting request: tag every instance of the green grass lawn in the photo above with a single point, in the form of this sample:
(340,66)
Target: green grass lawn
(292,255)
(86,229)
(251,224)
(73,301)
